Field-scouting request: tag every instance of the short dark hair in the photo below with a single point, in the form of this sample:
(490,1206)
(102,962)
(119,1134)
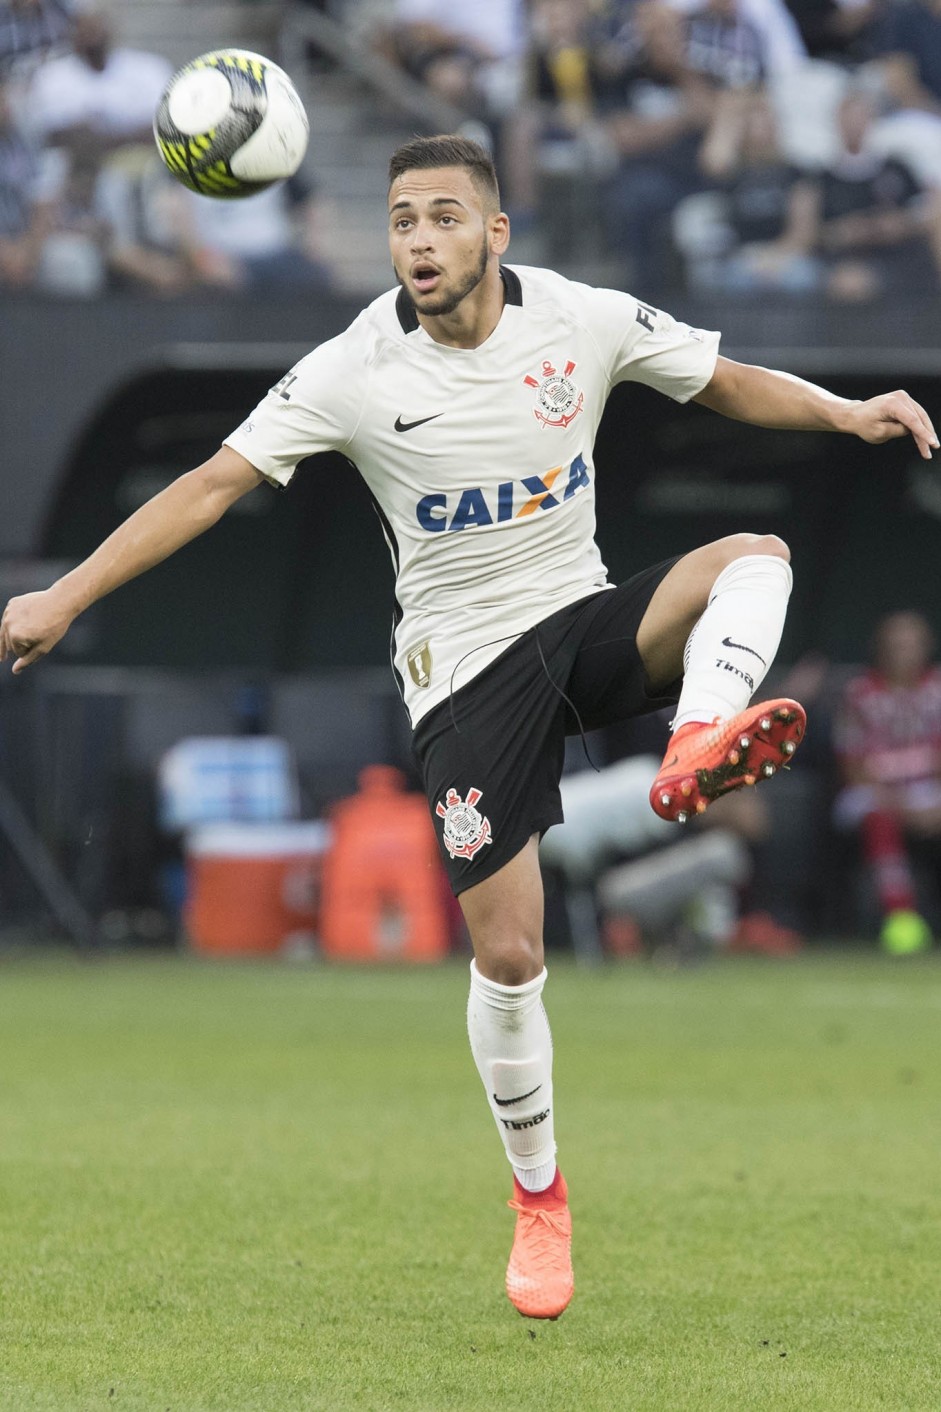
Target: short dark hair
(423,153)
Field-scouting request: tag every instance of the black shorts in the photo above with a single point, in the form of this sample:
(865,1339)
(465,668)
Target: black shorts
(491,756)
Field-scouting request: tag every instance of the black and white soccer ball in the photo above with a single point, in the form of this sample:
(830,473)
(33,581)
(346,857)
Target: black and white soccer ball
(231,123)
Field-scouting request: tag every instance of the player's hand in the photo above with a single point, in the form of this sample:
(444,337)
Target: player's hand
(31,626)
(891,415)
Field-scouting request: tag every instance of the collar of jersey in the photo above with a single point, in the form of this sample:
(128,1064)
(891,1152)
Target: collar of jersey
(408,319)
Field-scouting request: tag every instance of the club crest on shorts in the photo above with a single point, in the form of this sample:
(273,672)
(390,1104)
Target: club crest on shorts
(559,401)
(465,829)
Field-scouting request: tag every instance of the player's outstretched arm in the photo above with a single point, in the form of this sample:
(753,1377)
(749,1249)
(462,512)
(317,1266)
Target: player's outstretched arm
(772,399)
(33,623)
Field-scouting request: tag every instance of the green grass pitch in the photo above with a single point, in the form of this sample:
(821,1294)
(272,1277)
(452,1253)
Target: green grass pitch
(254,1188)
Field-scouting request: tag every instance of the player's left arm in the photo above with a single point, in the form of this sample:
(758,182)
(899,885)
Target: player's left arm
(771,399)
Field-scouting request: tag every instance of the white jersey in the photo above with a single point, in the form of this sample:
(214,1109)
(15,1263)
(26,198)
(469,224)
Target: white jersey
(479,460)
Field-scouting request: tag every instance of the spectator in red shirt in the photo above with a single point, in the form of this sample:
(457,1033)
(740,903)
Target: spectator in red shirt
(888,740)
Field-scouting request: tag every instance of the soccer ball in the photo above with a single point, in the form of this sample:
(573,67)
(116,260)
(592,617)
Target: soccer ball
(230,123)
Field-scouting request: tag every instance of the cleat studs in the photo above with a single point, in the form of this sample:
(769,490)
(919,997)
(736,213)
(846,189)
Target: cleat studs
(682,816)
(734,757)
(745,742)
(686,788)
(700,806)
(749,779)
(767,770)
(765,723)
(665,800)
(788,747)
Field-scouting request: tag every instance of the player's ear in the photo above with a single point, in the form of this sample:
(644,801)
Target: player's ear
(499,224)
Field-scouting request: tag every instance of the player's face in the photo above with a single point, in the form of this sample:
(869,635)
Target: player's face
(440,237)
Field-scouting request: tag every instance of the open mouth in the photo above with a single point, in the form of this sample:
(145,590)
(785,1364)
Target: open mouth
(425,278)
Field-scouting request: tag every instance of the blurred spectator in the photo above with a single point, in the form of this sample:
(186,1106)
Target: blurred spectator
(907,41)
(30,30)
(73,258)
(656,112)
(725,46)
(875,229)
(758,230)
(93,109)
(837,30)
(649,885)
(561,64)
(469,55)
(267,243)
(472,57)
(99,97)
(94,229)
(554,146)
(907,48)
(742,23)
(50,237)
(143,243)
(888,741)
(21,219)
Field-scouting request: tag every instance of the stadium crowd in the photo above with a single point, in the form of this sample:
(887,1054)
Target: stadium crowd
(85,204)
(729,145)
(740,147)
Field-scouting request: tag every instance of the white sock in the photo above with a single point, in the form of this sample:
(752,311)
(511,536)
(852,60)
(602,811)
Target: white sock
(732,646)
(512,1047)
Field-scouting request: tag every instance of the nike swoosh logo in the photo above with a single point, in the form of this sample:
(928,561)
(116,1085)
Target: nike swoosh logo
(727,642)
(507,1102)
(410,426)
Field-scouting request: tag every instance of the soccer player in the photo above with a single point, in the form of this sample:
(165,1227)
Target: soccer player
(469,399)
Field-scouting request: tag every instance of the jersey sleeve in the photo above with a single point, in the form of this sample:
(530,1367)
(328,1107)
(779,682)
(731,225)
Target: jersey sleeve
(642,344)
(314,407)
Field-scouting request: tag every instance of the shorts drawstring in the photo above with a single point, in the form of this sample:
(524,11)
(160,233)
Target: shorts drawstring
(545,667)
(569,703)
(510,637)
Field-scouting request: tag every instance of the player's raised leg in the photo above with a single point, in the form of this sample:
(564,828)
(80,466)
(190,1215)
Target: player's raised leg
(717,618)
(512,1047)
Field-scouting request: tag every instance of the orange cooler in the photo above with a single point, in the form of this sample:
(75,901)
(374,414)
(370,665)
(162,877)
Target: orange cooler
(253,887)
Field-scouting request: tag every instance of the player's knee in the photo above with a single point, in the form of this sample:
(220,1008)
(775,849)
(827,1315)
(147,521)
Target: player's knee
(739,546)
(509,959)
(773,544)
(760,544)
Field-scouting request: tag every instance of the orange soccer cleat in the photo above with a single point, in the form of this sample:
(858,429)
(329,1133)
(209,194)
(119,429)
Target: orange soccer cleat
(703,762)
(539,1279)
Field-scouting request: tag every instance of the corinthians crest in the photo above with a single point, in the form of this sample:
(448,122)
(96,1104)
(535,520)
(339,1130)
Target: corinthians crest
(465,830)
(559,401)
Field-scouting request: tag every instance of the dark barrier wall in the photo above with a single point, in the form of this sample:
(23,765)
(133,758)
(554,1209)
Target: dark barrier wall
(301,580)
(61,360)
